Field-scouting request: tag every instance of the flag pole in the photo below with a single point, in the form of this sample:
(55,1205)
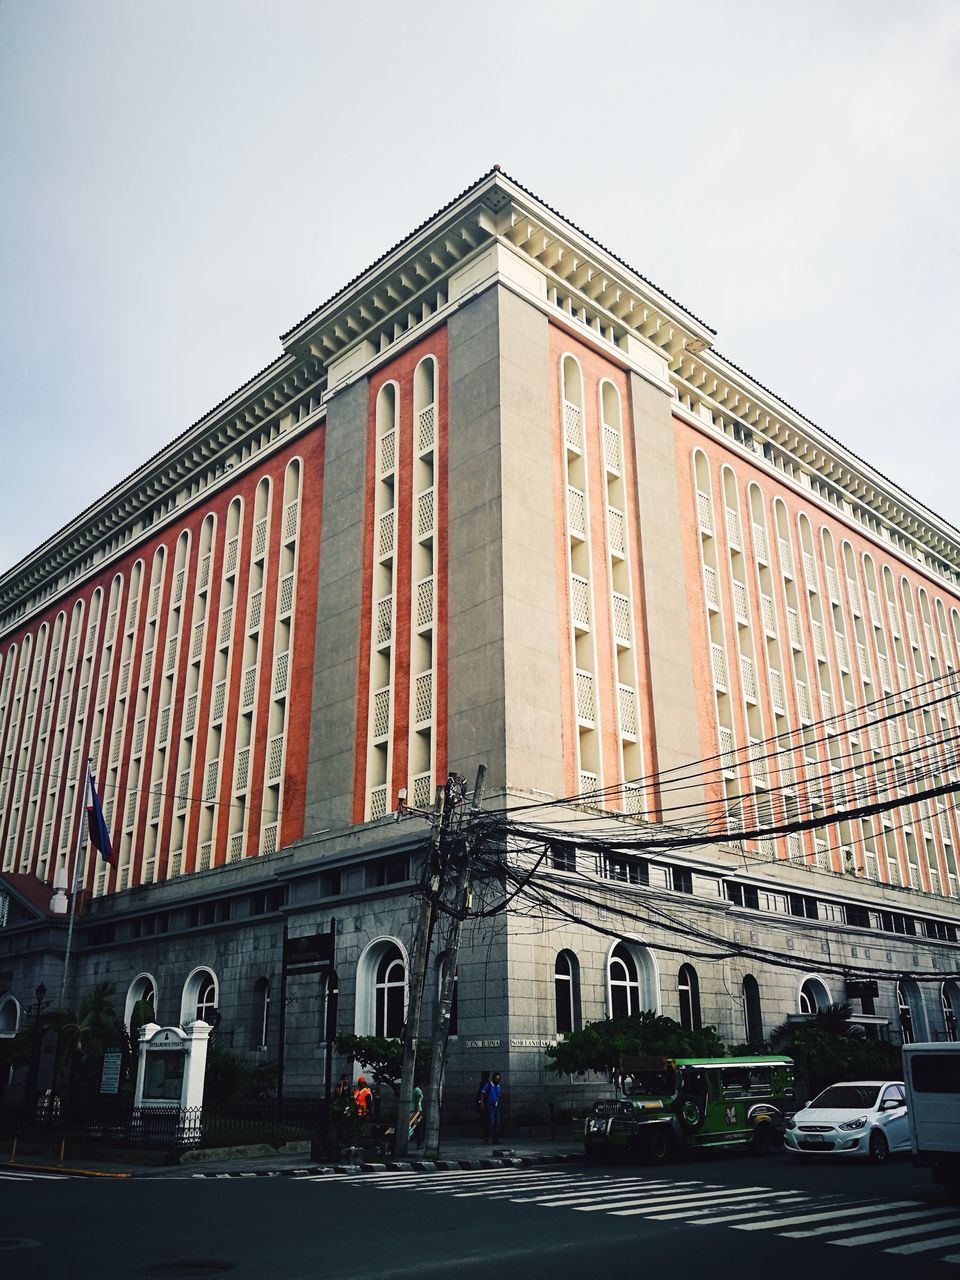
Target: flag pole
(77,877)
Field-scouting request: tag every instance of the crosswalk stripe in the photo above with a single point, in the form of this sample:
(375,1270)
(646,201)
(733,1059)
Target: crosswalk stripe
(873,1221)
(924,1228)
(508,1188)
(711,1218)
(920,1246)
(628,1208)
(821,1217)
(782,1198)
(586,1192)
(614,1196)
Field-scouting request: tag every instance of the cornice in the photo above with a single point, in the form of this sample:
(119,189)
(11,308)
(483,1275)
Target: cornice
(402,295)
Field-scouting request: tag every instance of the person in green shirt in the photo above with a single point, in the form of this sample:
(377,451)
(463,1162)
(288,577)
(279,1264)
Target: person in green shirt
(416,1133)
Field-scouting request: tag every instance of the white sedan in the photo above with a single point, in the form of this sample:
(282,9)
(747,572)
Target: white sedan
(855,1118)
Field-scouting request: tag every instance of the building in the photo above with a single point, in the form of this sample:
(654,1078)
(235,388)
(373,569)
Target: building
(498,501)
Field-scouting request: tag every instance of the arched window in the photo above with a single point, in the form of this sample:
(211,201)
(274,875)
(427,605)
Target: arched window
(632,980)
(261,1013)
(910,1008)
(813,995)
(566,981)
(389,988)
(752,1013)
(142,989)
(200,996)
(9,1016)
(950,1001)
(688,988)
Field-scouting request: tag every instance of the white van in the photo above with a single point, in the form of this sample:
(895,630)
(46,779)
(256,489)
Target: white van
(931,1073)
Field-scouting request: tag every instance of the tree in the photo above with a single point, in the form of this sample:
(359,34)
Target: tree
(383,1058)
(599,1046)
(829,1047)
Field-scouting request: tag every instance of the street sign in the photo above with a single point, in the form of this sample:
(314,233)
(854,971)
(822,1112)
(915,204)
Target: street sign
(862,989)
(110,1075)
(309,953)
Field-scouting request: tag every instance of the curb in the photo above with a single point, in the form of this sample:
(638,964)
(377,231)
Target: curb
(403,1166)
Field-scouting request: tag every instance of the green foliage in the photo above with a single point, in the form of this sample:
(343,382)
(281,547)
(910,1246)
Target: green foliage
(829,1047)
(232,1077)
(599,1046)
(382,1058)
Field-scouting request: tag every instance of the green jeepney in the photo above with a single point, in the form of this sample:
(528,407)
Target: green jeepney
(663,1104)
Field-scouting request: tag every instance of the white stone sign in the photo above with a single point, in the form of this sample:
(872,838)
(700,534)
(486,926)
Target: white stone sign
(171,1065)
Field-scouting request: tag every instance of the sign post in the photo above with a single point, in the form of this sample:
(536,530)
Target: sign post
(170,1071)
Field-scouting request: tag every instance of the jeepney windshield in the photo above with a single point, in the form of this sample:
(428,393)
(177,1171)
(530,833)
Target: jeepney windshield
(651,1084)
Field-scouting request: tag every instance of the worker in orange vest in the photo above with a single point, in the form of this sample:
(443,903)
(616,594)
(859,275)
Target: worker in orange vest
(362,1097)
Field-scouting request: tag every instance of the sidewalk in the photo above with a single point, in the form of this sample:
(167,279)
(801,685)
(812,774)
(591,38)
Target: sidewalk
(457,1153)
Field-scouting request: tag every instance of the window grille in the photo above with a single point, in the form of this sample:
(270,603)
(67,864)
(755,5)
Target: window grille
(290,517)
(617,523)
(280,673)
(621,619)
(803,700)
(740,602)
(725,744)
(111,628)
(793,628)
(853,591)
(82,701)
(874,606)
(115,745)
(425,603)
(628,711)
(131,813)
(138,735)
(235,847)
(776,692)
(768,615)
(580,602)
(611,449)
(425,513)
(385,535)
(275,758)
(632,798)
(422,791)
(226,622)
(203,574)
(704,512)
(71,657)
(156,801)
(183,790)
(260,539)
(733,530)
(423,698)
(931,642)
(892,614)
(243,769)
(210,780)
(795,847)
(381,713)
(124,680)
(588,783)
(711,590)
(196,649)
(384,612)
(123,878)
(819,647)
(719,664)
(426,421)
(230,557)
(842,655)
(584,697)
(827,703)
(146,667)
(576,513)
(255,611)
(171,658)
(747,678)
(810,571)
(758,765)
(132,612)
(285,598)
(378,803)
(203,856)
(786,557)
(572,430)
(163,727)
(832,590)
(864,661)
(219,701)
(760,544)
(248,688)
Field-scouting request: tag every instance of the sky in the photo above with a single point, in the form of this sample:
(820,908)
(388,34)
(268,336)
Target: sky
(181,182)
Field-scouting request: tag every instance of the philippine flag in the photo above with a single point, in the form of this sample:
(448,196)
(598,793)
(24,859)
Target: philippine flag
(99,835)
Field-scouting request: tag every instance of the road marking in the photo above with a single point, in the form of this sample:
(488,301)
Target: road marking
(873,1221)
(921,1245)
(589,1192)
(833,1213)
(924,1228)
(32,1177)
(694,1201)
(785,1199)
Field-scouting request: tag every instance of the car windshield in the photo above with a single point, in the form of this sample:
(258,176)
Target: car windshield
(847,1097)
(650,1084)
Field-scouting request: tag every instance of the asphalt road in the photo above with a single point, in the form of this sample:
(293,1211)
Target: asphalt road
(729,1215)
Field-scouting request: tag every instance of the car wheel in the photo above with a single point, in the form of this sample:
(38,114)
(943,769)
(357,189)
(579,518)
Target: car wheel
(690,1113)
(879,1148)
(760,1140)
(658,1146)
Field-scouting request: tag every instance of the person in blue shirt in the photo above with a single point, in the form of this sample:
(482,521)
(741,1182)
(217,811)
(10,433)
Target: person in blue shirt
(491,1108)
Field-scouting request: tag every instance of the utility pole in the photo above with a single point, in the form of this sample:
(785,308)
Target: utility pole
(457,909)
(418,978)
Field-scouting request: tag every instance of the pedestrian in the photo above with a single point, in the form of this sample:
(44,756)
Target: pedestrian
(479,1103)
(416,1132)
(362,1097)
(491,1108)
(342,1091)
